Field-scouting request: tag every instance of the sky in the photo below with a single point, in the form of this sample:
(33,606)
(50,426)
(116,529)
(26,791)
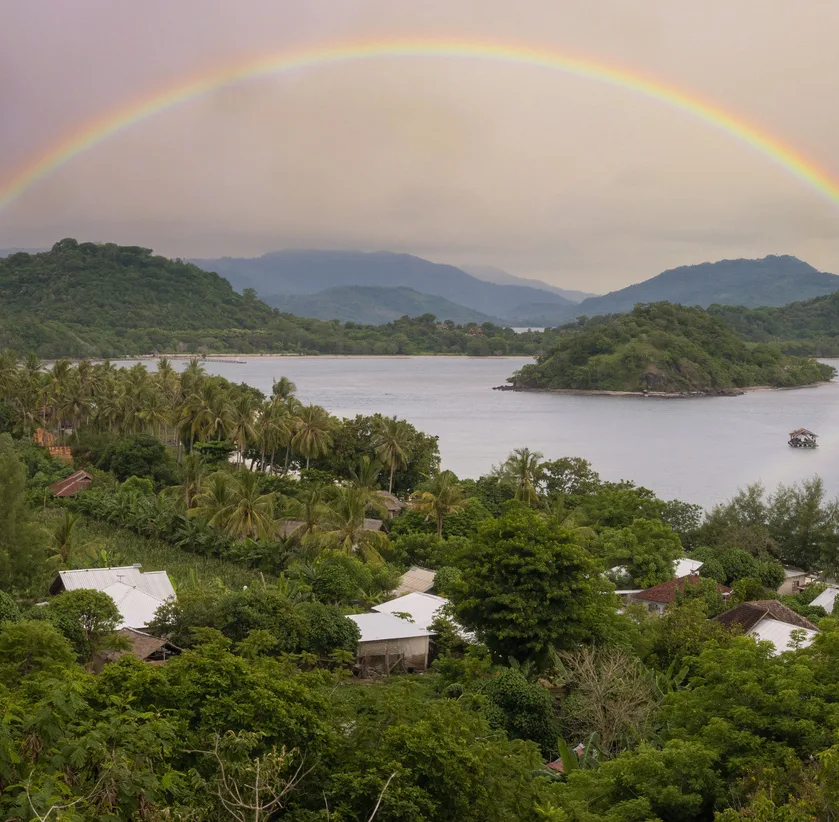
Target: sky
(538,172)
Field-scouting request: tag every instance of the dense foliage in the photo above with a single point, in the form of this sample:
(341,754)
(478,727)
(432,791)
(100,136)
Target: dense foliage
(260,713)
(90,300)
(667,348)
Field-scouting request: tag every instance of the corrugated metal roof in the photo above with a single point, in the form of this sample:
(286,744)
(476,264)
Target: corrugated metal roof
(780,634)
(421,607)
(156,583)
(376,627)
(826,599)
(685,567)
(416,579)
(136,607)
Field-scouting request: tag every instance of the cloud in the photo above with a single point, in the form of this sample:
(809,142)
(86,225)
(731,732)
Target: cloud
(470,162)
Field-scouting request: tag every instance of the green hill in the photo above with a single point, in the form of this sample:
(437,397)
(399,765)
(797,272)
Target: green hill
(90,300)
(375,305)
(808,327)
(663,347)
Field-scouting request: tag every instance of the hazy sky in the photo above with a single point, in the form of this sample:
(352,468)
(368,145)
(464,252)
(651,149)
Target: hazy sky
(541,173)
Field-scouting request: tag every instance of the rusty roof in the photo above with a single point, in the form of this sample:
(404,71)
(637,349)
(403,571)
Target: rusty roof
(79,481)
(748,614)
(666,591)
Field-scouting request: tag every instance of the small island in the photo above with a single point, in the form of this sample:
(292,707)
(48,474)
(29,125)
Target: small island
(665,349)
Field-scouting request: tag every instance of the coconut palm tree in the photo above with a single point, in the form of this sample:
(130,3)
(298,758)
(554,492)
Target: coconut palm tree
(154,411)
(252,512)
(392,439)
(313,432)
(308,508)
(67,544)
(366,476)
(521,468)
(193,471)
(439,497)
(283,388)
(215,502)
(242,415)
(343,526)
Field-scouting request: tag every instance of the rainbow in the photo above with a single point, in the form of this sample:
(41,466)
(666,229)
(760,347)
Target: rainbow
(99,130)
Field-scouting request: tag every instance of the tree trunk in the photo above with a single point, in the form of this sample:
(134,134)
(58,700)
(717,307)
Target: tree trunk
(439,524)
(390,484)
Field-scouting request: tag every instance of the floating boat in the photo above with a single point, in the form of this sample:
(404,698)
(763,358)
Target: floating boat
(802,438)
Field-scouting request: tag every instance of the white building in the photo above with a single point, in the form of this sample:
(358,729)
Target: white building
(771,621)
(388,643)
(826,599)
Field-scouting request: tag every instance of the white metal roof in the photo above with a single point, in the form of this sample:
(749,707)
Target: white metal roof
(376,627)
(156,583)
(422,608)
(789,571)
(827,599)
(136,607)
(685,567)
(780,634)
(416,579)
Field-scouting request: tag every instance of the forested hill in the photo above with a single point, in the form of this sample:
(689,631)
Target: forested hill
(664,347)
(89,300)
(809,327)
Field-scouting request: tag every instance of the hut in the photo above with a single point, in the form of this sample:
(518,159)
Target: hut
(388,643)
(802,438)
(70,486)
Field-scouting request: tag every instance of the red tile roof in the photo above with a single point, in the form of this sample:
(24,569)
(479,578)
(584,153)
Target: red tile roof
(80,481)
(666,591)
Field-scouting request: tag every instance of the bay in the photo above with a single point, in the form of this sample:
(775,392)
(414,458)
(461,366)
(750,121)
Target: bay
(699,450)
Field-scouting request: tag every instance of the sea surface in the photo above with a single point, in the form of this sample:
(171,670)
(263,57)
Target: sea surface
(699,450)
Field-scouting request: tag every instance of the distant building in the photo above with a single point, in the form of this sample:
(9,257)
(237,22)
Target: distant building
(146,648)
(137,595)
(421,609)
(416,579)
(389,644)
(770,621)
(70,486)
(393,504)
(795,580)
(827,599)
(660,596)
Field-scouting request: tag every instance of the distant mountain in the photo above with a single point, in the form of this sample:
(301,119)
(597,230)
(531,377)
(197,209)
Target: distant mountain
(374,305)
(491,274)
(771,281)
(309,272)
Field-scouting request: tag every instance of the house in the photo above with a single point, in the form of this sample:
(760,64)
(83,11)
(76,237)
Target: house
(146,648)
(137,595)
(795,580)
(682,567)
(387,643)
(660,596)
(43,438)
(768,620)
(289,526)
(416,579)
(393,504)
(70,486)
(826,599)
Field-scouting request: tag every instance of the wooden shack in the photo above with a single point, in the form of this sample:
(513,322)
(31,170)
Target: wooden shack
(802,438)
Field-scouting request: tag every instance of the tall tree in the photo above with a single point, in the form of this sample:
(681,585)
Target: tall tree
(392,440)
(312,435)
(344,527)
(439,497)
(521,469)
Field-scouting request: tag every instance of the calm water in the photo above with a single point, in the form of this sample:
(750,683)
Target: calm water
(699,450)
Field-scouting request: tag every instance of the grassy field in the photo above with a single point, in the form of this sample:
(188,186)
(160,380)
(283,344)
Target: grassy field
(123,547)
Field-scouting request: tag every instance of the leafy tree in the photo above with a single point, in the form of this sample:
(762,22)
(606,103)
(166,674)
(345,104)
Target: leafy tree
(31,646)
(568,477)
(647,549)
(527,587)
(9,612)
(94,612)
(140,455)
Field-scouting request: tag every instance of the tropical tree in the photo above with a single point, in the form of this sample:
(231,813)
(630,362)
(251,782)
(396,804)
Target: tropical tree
(283,388)
(439,497)
(242,415)
(392,440)
(216,500)
(313,434)
(252,512)
(66,542)
(344,527)
(521,469)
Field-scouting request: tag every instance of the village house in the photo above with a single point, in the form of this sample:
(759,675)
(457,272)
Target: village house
(826,599)
(795,580)
(768,620)
(151,649)
(392,503)
(289,526)
(137,595)
(416,579)
(389,644)
(70,486)
(657,598)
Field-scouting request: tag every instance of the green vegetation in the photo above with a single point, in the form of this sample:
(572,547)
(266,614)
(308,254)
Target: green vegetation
(667,348)
(263,714)
(89,300)
(804,328)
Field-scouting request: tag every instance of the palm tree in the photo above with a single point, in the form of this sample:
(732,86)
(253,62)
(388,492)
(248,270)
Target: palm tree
(392,440)
(309,509)
(252,512)
(522,469)
(193,471)
(366,477)
(439,497)
(343,526)
(216,500)
(313,432)
(66,544)
(242,413)
(154,411)
(283,388)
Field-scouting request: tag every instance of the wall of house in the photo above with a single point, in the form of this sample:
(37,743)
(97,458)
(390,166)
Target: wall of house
(791,585)
(652,607)
(413,653)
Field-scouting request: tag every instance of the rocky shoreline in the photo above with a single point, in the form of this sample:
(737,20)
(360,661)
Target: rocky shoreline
(663,395)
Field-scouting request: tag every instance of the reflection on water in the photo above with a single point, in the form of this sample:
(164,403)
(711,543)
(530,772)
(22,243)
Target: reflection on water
(700,450)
